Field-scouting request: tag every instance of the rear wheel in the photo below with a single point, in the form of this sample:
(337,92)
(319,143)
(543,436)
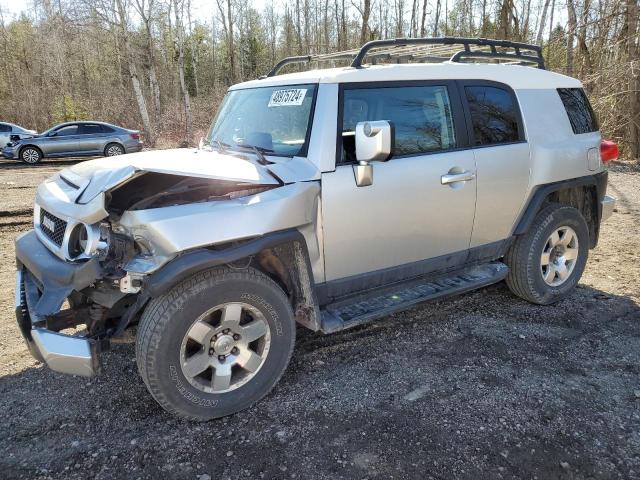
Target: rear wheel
(546,263)
(216,343)
(30,155)
(113,149)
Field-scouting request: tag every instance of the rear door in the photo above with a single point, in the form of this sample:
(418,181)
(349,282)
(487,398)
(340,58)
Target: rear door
(92,138)
(502,158)
(408,221)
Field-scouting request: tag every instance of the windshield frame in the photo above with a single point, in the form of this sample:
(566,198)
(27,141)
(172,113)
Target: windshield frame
(304,150)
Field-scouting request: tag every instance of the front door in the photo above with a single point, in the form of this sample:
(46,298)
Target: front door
(65,140)
(418,213)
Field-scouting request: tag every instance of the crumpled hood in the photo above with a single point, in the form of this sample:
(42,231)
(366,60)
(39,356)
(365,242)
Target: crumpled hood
(96,176)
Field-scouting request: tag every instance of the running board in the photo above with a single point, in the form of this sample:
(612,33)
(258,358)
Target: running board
(371,305)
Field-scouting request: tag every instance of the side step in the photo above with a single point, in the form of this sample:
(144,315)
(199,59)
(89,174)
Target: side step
(371,305)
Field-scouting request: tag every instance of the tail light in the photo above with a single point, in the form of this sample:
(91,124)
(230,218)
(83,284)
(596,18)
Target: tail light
(608,151)
(135,136)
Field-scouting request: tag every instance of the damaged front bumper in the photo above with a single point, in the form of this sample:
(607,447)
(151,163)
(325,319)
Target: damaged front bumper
(43,283)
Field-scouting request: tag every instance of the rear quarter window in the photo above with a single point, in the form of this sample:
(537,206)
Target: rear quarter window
(579,110)
(494,115)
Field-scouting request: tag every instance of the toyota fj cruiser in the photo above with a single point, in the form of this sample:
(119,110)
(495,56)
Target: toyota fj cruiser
(326,198)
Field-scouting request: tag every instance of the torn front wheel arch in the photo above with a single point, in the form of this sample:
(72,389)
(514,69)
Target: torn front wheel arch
(291,265)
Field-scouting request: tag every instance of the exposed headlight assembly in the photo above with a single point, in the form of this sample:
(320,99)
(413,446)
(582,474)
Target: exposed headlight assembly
(86,241)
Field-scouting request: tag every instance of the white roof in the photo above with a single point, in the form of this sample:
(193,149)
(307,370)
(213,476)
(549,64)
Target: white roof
(517,76)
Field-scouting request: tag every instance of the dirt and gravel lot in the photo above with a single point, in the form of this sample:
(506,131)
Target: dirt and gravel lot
(479,386)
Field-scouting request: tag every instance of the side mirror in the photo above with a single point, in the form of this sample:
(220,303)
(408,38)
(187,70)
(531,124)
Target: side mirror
(52,134)
(374,142)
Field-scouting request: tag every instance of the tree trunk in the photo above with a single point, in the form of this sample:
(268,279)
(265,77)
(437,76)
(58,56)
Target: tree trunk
(194,52)
(543,20)
(631,15)
(437,18)
(366,13)
(586,66)
(423,20)
(183,86)
(571,10)
(133,72)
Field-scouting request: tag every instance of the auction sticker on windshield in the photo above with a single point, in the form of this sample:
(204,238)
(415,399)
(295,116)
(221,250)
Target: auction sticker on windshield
(288,97)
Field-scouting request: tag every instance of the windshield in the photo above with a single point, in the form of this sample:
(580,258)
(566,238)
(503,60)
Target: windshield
(276,120)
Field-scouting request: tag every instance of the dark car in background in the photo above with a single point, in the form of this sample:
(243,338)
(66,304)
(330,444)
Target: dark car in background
(74,139)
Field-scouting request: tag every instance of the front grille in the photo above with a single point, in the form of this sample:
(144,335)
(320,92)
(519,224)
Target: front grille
(55,234)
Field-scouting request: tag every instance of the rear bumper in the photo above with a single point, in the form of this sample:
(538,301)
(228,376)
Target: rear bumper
(134,147)
(43,282)
(608,205)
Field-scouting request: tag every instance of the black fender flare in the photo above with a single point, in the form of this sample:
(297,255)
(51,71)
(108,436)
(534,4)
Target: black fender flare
(541,192)
(188,263)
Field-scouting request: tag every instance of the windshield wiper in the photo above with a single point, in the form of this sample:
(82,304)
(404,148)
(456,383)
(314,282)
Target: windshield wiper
(259,151)
(222,147)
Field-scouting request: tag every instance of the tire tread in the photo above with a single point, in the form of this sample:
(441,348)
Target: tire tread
(156,316)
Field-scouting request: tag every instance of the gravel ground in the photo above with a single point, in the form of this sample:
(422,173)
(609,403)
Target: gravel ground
(479,386)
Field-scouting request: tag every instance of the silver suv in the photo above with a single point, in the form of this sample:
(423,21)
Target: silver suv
(325,198)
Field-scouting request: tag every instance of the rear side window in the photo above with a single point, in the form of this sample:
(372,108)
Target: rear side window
(106,129)
(579,110)
(421,117)
(494,115)
(4,128)
(87,129)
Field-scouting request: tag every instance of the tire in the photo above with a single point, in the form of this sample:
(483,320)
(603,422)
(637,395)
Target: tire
(30,155)
(166,349)
(528,277)
(113,149)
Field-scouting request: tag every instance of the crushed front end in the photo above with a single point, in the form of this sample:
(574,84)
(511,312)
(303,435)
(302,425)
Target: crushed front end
(102,231)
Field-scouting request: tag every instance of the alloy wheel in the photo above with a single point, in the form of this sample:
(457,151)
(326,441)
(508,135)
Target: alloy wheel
(114,150)
(225,347)
(31,155)
(559,256)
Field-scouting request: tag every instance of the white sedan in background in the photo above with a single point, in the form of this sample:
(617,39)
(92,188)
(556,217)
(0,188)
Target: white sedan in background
(8,129)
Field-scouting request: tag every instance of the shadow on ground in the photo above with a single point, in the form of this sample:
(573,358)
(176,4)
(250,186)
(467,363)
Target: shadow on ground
(483,385)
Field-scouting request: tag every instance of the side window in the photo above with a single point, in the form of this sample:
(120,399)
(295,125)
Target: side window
(4,128)
(421,117)
(88,129)
(579,110)
(66,131)
(494,115)
(106,129)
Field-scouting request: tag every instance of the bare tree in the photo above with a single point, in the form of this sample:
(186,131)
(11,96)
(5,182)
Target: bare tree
(178,10)
(146,10)
(543,19)
(227,17)
(571,11)
(631,26)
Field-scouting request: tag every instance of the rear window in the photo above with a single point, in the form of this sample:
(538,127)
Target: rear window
(579,110)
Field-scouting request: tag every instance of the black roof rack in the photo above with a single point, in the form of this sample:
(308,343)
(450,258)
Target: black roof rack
(437,49)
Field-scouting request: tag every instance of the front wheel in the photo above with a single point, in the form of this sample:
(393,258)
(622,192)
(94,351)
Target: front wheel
(546,263)
(216,343)
(30,155)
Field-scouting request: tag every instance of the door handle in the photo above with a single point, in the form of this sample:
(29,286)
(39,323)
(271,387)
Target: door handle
(457,177)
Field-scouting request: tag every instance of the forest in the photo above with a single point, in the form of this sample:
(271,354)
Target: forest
(163,66)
